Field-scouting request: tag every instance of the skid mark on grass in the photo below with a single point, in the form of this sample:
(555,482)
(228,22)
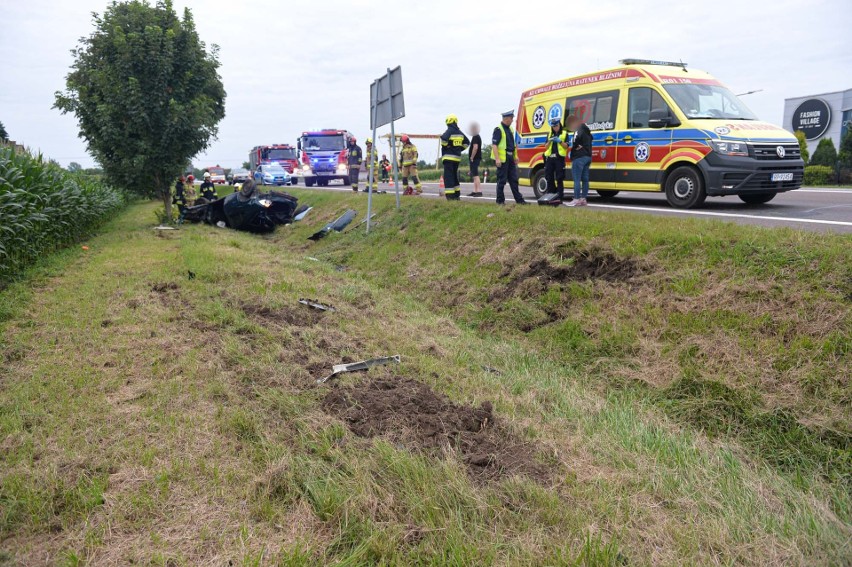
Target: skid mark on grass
(412,413)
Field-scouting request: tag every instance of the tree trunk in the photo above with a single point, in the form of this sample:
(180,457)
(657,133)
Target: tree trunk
(167,203)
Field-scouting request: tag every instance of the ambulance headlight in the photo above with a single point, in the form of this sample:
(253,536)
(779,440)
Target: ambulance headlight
(729,148)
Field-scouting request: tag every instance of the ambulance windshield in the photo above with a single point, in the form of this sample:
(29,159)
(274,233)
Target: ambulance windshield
(708,101)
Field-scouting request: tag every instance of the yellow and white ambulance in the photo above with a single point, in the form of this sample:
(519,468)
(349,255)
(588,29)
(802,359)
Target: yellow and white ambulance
(659,126)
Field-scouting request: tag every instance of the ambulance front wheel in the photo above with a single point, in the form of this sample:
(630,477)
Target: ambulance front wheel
(606,195)
(685,188)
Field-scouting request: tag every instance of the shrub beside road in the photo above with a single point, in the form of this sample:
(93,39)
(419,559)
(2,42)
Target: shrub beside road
(612,389)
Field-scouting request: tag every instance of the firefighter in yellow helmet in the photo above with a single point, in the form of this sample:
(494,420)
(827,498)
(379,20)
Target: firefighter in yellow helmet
(453,143)
(371,160)
(408,158)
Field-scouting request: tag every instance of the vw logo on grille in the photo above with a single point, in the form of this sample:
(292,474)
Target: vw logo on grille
(780,151)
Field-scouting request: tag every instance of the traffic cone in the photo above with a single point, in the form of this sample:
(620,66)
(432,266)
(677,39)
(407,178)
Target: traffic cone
(441,183)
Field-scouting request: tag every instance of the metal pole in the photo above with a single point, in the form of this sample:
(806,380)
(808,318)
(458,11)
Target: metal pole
(369,160)
(393,148)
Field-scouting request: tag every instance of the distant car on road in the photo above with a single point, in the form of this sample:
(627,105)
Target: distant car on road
(217,174)
(272,174)
(239,175)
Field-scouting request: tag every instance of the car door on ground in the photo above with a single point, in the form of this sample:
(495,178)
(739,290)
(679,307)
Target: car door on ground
(641,149)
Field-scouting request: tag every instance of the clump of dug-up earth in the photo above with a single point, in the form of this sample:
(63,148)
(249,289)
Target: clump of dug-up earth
(413,414)
(586,264)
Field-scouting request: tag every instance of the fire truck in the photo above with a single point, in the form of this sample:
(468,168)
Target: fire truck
(324,157)
(283,154)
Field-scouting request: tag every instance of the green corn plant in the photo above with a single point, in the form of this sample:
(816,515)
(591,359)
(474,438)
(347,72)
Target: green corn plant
(44,208)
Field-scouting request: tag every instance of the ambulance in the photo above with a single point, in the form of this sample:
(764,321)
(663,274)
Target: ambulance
(658,126)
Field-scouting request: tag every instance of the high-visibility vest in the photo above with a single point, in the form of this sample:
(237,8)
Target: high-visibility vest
(548,149)
(501,147)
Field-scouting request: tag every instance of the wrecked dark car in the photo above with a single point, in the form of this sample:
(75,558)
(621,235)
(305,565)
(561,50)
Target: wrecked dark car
(247,209)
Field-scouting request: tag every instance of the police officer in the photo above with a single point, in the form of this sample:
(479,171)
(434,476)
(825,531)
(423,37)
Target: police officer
(208,190)
(555,151)
(372,159)
(408,156)
(453,143)
(355,159)
(505,158)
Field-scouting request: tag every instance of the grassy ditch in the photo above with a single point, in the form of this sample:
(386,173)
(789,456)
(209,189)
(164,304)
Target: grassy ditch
(576,388)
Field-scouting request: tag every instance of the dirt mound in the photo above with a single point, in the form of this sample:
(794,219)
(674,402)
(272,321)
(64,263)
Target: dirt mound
(412,413)
(293,316)
(586,264)
(163,287)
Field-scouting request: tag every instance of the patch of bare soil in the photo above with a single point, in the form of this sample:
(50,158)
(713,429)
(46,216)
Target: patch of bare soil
(410,412)
(164,287)
(296,316)
(585,264)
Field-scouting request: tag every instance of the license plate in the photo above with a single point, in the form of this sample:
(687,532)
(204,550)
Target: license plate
(782,177)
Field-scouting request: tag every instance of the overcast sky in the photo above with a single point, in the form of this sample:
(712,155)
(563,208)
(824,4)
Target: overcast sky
(294,66)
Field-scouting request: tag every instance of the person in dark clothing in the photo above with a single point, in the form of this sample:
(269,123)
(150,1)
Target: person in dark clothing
(475,155)
(555,151)
(180,198)
(208,190)
(355,159)
(453,143)
(581,160)
(505,158)
(385,165)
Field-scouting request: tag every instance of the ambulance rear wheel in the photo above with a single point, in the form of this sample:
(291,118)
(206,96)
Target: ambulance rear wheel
(757,198)
(539,183)
(606,195)
(685,188)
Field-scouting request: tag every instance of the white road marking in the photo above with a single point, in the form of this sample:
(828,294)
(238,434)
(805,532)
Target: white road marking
(652,209)
(727,215)
(847,191)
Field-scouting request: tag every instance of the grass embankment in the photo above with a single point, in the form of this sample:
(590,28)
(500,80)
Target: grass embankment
(576,388)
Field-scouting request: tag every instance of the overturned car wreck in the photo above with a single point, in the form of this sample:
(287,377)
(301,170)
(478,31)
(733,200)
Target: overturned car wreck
(247,209)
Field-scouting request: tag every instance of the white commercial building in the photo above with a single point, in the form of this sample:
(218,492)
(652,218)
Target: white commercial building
(827,115)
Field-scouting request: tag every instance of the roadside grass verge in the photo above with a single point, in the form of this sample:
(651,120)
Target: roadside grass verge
(146,416)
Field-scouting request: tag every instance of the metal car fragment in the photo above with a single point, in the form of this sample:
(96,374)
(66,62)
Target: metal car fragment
(337,225)
(357,366)
(315,304)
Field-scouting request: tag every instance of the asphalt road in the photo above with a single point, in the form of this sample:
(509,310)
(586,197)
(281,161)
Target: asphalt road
(815,209)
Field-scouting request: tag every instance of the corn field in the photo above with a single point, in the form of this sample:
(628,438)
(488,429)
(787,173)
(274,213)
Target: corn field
(43,208)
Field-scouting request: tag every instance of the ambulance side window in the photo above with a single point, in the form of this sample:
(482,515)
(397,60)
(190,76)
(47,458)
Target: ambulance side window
(640,103)
(596,110)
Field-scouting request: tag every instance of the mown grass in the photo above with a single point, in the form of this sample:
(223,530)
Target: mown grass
(695,412)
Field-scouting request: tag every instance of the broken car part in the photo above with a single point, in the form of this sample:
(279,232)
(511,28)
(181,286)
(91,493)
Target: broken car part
(356,366)
(315,304)
(337,225)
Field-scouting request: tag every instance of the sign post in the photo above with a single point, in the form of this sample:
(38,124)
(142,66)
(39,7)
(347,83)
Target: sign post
(387,104)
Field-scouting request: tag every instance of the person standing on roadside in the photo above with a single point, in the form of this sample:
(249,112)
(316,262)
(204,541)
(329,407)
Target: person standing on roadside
(581,160)
(180,196)
(475,155)
(554,160)
(505,156)
(385,165)
(208,190)
(453,143)
(371,158)
(408,157)
(354,161)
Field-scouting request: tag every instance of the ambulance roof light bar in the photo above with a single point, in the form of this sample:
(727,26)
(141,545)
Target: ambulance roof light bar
(680,64)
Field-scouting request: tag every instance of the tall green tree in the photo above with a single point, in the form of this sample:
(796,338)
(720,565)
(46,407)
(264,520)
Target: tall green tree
(3,134)
(75,167)
(845,153)
(803,144)
(825,154)
(146,93)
